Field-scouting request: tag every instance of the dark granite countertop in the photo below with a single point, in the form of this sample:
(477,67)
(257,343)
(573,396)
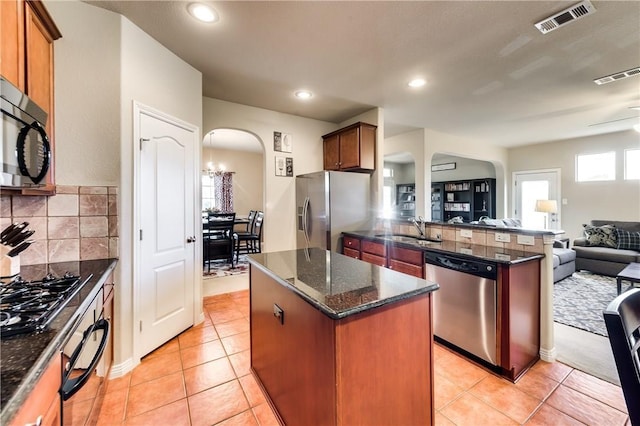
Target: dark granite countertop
(338,285)
(26,356)
(474,251)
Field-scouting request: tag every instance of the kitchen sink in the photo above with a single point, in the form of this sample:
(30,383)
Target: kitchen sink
(407,238)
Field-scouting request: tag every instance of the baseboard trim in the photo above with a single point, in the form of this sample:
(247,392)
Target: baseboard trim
(119,370)
(548,355)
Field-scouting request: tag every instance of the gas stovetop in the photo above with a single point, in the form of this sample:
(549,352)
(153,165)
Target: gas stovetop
(28,306)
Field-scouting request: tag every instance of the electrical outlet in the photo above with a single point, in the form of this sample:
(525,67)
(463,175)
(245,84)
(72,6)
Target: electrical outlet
(526,240)
(466,251)
(466,233)
(500,256)
(503,238)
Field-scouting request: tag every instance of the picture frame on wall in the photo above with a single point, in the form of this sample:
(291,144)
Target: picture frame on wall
(289,166)
(282,142)
(284,166)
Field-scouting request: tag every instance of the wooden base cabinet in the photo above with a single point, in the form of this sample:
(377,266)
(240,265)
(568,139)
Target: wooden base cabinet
(518,317)
(42,407)
(406,260)
(368,368)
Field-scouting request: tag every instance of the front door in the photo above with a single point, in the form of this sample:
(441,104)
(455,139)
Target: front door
(531,187)
(165,291)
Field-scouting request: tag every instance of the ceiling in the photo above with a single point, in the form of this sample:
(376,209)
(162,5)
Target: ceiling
(491,75)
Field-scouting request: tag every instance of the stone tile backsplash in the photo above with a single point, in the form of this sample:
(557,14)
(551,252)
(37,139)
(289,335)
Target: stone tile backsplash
(78,223)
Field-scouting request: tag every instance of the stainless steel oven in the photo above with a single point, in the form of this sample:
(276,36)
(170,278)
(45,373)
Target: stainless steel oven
(82,356)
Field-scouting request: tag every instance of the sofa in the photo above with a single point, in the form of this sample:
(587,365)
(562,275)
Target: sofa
(564,261)
(608,246)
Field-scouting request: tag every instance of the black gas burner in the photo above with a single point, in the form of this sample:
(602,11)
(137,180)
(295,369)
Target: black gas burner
(27,306)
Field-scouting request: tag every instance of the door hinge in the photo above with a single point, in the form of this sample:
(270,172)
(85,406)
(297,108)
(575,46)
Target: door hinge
(140,326)
(143,140)
(141,235)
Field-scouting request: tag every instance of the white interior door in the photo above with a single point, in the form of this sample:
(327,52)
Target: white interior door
(533,186)
(165,291)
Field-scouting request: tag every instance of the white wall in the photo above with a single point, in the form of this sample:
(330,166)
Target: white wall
(87,95)
(413,143)
(279,192)
(424,143)
(617,200)
(248,168)
(104,63)
(465,169)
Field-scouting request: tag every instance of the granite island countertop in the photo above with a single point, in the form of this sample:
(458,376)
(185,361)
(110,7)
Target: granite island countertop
(338,285)
(25,356)
(473,251)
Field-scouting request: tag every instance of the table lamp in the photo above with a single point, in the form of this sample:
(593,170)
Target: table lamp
(546,206)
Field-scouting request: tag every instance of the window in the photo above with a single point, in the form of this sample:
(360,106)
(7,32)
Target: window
(208,192)
(631,164)
(595,167)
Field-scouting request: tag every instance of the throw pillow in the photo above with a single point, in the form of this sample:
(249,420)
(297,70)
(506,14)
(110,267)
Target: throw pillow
(628,240)
(603,236)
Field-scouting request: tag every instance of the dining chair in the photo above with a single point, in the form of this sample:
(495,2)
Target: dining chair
(249,242)
(622,318)
(219,238)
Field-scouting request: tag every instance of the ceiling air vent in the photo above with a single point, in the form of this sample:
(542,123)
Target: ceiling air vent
(617,76)
(576,11)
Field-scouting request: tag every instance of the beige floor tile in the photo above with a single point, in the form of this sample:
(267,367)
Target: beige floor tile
(598,389)
(505,397)
(174,414)
(200,354)
(208,375)
(584,408)
(155,367)
(154,394)
(228,400)
(469,410)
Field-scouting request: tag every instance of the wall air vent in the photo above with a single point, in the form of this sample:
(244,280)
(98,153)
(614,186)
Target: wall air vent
(617,76)
(576,11)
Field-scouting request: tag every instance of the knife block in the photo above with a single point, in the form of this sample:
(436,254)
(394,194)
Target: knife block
(9,266)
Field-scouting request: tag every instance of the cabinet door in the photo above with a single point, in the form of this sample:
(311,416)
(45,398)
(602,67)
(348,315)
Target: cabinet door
(44,400)
(350,148)
(351,253)
(12,51)
(331,147)
(408,261)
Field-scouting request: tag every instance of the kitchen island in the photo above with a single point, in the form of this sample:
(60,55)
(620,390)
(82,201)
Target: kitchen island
(335,340)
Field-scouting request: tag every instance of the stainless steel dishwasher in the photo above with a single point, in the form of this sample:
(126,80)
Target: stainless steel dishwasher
(464,308)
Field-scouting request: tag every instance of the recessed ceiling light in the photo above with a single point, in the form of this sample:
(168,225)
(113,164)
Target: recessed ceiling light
(303,94)
(635,107)
(417,82)
(203,12)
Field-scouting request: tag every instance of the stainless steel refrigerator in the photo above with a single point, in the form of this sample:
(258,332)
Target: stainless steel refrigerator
(329,203)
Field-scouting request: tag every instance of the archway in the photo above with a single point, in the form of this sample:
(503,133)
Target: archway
(242,153)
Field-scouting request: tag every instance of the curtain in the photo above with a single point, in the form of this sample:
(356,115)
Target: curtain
(223,187)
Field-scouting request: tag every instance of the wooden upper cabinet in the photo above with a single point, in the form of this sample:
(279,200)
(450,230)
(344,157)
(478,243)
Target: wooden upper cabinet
(28,33)
(331,147)
(352,148)
(12,52)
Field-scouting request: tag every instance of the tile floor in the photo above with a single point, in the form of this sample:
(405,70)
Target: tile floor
(202,377)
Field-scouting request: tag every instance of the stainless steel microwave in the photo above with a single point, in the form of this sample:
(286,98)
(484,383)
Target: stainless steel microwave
(26,152)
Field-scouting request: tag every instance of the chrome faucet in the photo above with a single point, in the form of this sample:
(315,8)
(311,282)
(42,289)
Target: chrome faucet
(418,226)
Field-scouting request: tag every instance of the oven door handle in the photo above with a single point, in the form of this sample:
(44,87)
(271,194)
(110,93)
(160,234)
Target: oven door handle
(71,386)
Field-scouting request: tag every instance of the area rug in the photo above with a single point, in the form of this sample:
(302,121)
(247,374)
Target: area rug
(579,300)
(221,268)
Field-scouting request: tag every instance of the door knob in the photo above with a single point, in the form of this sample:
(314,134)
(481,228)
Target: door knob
(191,239)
